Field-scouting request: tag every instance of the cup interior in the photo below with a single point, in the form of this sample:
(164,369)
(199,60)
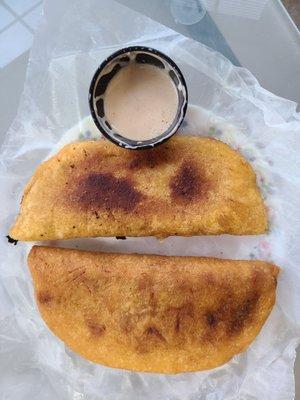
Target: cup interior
(106,72)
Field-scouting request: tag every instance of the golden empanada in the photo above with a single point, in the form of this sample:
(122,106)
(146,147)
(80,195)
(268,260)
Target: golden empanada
(187,186)
(152,313)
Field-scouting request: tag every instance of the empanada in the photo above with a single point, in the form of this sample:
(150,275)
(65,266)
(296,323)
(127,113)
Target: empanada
(152,313)
(187,186)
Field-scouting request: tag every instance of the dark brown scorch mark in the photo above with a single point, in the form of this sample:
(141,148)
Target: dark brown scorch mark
(182,315)
(231,316)
(211,319)
(152,331)
(242,314)
(44,297)
(177,323)
(105,191)
(139,162)
(187,185)
(151,338)
(95,328)
(151,158)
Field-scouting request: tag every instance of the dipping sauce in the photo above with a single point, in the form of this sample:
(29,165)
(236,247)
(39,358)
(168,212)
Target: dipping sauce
(141,101)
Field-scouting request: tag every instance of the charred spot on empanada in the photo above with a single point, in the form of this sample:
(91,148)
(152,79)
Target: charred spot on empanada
(104,191)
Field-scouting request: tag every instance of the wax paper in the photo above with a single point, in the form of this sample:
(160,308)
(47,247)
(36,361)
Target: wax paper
(226,103)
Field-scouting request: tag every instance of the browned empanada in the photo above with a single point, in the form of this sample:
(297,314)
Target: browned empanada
(187,186)
(152,313)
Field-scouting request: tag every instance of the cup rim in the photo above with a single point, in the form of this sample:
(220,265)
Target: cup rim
(130,143)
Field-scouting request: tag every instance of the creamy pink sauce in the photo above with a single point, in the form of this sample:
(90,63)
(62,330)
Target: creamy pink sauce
(141,101)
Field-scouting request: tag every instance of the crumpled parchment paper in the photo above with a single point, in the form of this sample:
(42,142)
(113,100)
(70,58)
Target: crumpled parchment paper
(229,104)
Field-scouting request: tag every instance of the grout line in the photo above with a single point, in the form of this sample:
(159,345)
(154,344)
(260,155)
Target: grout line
(10,10)
(16,20)
(8,26)
(31,9)
(19,18)
(25,13)
(26,25)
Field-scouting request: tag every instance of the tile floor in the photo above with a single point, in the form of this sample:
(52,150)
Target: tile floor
(18,19)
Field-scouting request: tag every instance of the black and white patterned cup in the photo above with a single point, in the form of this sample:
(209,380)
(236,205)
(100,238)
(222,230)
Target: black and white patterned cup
(109,68)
